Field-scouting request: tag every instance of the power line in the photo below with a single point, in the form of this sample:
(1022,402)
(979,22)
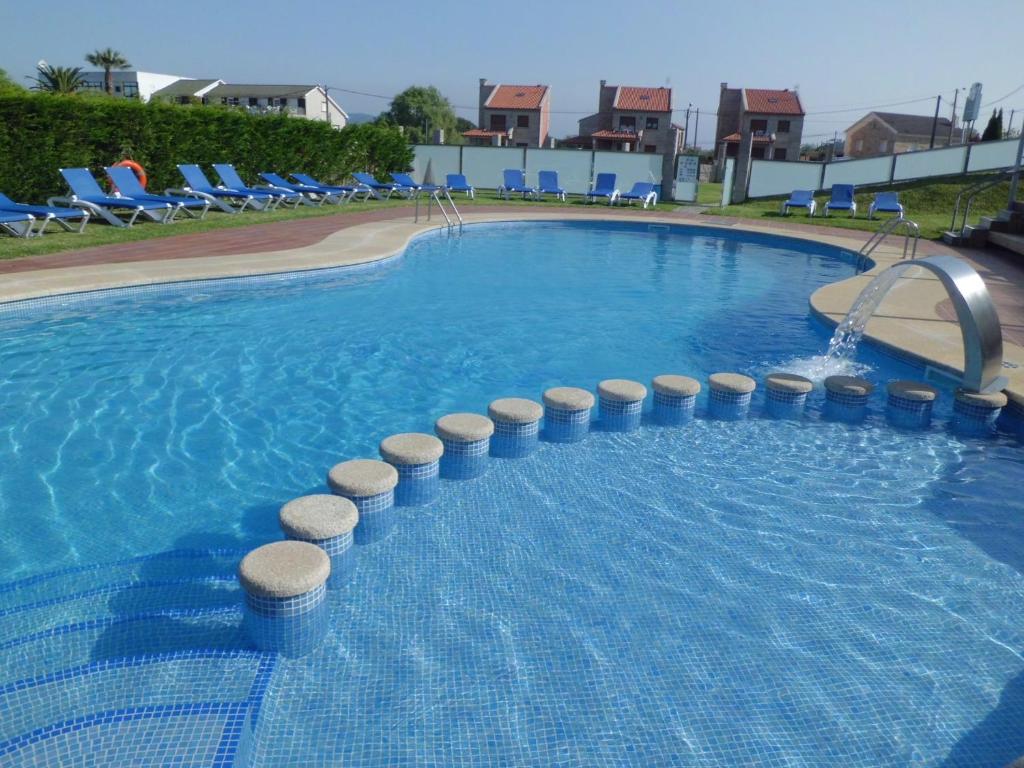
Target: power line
(1003,98)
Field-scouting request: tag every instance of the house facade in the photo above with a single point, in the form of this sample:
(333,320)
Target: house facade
(889,133)
(632,119)
(512,116)
(129,83)
(309,101)
(759,123)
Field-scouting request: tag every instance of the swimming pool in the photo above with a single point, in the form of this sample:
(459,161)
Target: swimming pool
(776,592)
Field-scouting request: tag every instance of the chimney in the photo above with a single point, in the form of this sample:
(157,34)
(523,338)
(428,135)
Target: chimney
(725,86)
(604,83)
(483,81)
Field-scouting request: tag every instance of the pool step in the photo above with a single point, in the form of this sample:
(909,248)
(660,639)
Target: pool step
(187,708)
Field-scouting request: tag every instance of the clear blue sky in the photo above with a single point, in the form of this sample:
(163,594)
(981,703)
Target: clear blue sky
(842,55)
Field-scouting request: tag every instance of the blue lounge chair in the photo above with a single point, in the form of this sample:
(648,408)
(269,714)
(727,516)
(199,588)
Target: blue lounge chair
(643,192)
(515,181)
(17,224)
(86,193)
(232,180)
(352,192)
(314,195)
(379,189)
(127,183)
(547,184)
(842,200)
(886,202)
(604,186)
(800,198)
(406,180)
(196,183)
(45,214)
(456,182)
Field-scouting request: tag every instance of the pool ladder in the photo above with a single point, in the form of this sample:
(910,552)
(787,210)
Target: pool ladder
(912,230)
(435,197)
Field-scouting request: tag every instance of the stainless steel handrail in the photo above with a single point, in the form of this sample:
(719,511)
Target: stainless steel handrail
(972,192)
(883,232)
(433,198)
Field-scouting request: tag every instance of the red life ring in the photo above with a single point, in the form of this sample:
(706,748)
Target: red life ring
(139,170)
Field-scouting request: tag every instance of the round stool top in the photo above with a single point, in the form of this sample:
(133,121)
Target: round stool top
(411,448)
(284,569)
(678,386)
(568,398)
(464,427)
(735,383)
(912,390)
(517,410)
(849,385)
(319,516)
(788,382)
(989,400)
(362,477)
(622,390)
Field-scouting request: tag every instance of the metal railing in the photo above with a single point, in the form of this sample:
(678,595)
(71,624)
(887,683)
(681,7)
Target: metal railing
(883,232)
(972,192)
(435,197)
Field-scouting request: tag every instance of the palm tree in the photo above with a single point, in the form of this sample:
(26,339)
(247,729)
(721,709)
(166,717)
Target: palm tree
(108,60)
(58,79)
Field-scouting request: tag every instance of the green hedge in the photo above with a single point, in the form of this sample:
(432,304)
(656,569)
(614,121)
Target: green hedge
(40,133)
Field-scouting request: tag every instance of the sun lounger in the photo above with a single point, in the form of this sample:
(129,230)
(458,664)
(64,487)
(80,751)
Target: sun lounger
(87,194)
(17,224)
(352,192)
(800,198)
(408,181)
(379,189)
(44,214)
(642,192)
(313,195)
(515,182)
(886,202)
(604,186)
(547,184)
(456,182)
(127,184)
(842,200)
(232,180)
(196,183)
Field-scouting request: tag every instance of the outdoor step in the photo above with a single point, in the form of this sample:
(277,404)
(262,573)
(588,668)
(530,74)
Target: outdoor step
(182,563)
(992,224)
(1008,241)
(127,683)
(140,634)
(118,600)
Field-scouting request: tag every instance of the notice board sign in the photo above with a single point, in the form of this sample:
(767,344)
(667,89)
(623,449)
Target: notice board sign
(687,173)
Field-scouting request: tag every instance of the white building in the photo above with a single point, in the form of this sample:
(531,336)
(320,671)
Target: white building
(130,83)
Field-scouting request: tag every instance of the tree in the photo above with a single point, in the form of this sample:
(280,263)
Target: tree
(58,79)
(108,60)
(994,129)
(421,110)
(8,86)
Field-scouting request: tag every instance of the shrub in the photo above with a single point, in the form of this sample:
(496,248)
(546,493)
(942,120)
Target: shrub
(41,133)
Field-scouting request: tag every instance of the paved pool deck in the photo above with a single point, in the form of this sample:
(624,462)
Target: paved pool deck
(916,319)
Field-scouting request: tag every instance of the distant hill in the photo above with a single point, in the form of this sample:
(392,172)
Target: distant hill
(360,117)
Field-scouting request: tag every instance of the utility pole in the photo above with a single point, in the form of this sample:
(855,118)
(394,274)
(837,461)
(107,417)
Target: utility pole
(949,141)
(935,121)
(1009,125)
(686,130)
(696,123)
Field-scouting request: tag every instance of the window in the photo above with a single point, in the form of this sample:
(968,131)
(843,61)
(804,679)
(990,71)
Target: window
(497,122)
(253,101)
(858,145)
(779,154)
(627,124)
(759,126)
(652,124)
(650,149)
(522,144)
(883,146)
(302,103)
(757,152)
(522,121)
(130,90)
(783,126)
(732,149)
(184,99)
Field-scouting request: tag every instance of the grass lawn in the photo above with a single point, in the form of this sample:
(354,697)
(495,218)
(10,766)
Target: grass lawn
(709,193)
(99,233)
(930,204)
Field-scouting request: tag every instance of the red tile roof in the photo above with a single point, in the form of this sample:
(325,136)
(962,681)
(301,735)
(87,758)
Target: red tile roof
(735,137)
(606,134)
(516,97)
(765,101)
(479,133)
(644,99)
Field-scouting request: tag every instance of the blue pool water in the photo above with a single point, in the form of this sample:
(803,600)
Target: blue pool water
(724,593)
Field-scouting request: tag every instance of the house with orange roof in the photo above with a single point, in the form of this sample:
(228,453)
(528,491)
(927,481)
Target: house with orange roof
(770,120)
(512,116)
(631,119)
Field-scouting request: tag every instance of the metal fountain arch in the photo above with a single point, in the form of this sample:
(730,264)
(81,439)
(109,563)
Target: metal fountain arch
(976,314)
